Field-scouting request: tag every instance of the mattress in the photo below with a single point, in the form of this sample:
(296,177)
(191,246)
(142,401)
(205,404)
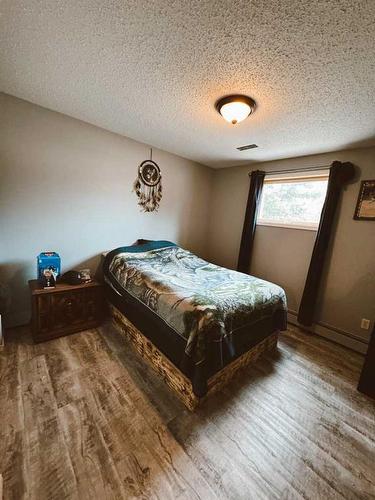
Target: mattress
(200,315)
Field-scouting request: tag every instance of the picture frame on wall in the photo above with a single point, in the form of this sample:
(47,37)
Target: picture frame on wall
(365,208)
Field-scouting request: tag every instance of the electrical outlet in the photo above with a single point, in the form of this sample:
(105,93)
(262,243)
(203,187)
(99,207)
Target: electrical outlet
(365,324)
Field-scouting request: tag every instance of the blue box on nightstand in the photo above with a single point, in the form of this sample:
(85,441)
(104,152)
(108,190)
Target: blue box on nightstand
(48,268)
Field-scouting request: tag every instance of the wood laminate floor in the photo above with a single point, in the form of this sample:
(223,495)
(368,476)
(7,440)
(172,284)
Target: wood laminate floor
(83,418)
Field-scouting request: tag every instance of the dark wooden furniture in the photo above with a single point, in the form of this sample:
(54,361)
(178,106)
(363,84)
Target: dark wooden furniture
(367,379)
(65,309)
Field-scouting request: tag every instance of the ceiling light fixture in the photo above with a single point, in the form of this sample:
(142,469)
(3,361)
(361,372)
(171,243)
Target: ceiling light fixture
(235,108)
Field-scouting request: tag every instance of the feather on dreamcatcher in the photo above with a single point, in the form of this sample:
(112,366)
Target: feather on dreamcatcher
(147,185)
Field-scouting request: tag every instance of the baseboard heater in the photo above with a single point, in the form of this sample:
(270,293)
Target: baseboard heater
(332,333)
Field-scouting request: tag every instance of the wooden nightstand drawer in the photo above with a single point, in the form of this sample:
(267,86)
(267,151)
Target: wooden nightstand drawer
(68,309)
(65,309)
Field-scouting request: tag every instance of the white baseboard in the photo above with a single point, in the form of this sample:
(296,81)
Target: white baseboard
(332,333)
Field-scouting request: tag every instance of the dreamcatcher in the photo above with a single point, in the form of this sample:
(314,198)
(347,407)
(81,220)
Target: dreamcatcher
(147,185)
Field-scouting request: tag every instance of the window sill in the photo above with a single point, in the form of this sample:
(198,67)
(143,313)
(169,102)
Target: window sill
(304,227)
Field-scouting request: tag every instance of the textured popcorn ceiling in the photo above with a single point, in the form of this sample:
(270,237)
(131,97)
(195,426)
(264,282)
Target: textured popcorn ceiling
(152,70)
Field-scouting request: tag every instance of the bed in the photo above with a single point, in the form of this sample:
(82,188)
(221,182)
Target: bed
(196,323)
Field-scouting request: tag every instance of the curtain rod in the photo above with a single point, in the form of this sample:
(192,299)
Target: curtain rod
(290,170)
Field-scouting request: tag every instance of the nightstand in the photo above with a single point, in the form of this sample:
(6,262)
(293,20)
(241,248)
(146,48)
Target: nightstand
(65,309)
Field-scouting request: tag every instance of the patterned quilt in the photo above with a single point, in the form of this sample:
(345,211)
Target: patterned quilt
(200,301)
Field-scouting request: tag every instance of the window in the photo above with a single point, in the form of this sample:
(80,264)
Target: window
(293,201)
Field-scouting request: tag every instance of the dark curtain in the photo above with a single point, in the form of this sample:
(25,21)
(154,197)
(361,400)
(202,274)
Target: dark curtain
(367,380)
(340,174)
(248,232)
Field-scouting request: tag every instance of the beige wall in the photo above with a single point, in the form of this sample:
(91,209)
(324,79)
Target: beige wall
(67,186)
(283,255)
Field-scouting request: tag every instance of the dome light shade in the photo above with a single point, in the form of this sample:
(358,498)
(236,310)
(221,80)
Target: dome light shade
(235,112)
(235,108)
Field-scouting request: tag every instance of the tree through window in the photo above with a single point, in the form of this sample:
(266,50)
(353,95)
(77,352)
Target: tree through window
(293,201)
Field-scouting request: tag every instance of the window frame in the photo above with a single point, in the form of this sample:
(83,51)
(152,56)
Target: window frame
(291,178)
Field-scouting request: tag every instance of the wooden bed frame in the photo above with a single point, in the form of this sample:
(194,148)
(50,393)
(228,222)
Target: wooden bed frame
(171,375)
